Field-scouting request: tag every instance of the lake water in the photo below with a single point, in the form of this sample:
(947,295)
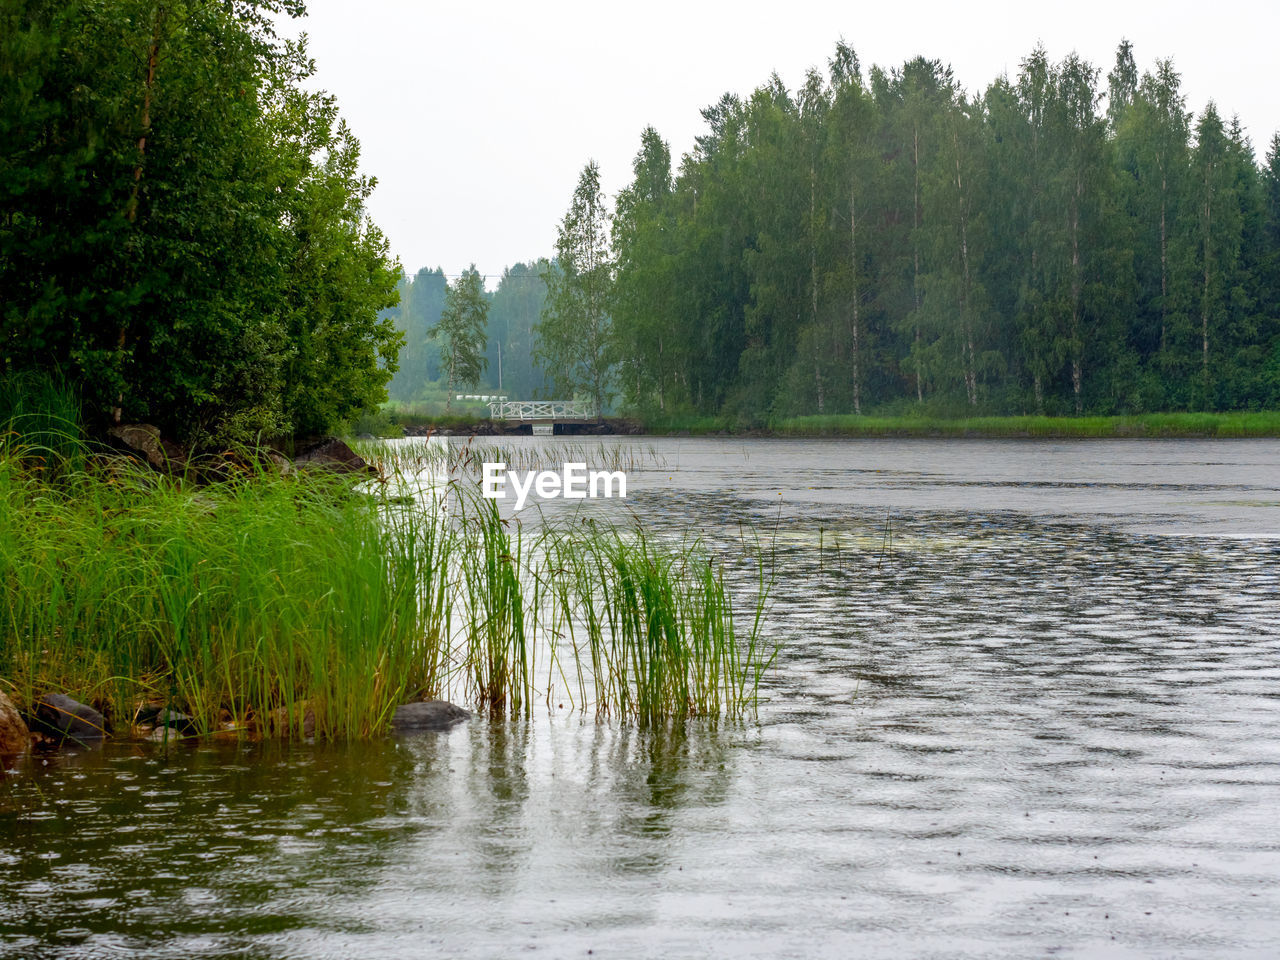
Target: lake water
(1028,704)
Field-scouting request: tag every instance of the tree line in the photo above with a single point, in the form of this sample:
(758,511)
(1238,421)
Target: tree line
(492,336)
(1062,243)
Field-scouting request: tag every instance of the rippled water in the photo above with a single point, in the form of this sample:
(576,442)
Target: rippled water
(1028,704)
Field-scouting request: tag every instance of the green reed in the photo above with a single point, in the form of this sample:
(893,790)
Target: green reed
(652,628)
(256,601)
(270,605)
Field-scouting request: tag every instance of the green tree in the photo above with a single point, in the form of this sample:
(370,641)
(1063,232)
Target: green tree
(513,314)
(182,231)
(461,331)
(643,304)
(574,334)
(421,302)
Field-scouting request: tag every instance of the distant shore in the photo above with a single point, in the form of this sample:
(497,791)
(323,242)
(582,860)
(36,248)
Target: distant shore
(1151,425)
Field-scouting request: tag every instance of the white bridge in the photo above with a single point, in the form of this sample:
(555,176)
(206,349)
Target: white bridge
(543,411)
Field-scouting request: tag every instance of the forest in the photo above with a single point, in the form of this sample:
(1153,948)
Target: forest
(1062,243)
(514,312)
(183,237)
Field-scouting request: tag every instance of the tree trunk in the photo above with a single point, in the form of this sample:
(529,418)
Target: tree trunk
(854,305)
(1208,274)
(1077,349)
(1164,258)
(966,320)
(131,209)
(915,250)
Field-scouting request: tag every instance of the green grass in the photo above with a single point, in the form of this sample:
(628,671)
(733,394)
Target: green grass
(243,604)
(1258,424)
(253,603)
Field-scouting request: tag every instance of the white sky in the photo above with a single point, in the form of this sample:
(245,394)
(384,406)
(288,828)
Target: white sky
(477,118)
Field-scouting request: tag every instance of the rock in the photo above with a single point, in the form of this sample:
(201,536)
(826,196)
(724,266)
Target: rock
(284,719)
(426,716)
(277,462)
(66,719)
(145,440)
(167,735)
(15,738)
(177,721)
(332,455)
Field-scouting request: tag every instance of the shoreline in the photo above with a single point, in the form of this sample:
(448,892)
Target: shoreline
(1189,426)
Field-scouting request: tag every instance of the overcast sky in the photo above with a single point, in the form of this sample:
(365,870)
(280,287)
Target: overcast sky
(477,118)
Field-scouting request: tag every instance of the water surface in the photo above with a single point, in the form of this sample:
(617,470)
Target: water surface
(1028,704)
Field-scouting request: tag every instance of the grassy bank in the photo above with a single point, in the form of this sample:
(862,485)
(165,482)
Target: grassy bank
(1258,424)
(252,604)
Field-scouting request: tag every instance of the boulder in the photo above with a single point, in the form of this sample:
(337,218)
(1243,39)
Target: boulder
(176,721)
(277,462)
(429,715)
(332,455)
(14,735)
(66,719)
(145,441)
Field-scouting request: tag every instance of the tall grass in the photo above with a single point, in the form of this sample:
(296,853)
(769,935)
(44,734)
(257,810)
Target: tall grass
(40,421)
(655,635)
(270,604)
(248,602)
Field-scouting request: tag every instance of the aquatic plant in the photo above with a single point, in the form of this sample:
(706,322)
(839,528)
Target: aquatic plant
(281,605)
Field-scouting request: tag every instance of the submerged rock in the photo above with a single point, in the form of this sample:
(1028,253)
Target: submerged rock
(67,719)
(427,716)
(14,735)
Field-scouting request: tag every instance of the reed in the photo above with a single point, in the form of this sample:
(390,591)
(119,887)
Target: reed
(248,603)
(272,605)
(652,629)
(466,457)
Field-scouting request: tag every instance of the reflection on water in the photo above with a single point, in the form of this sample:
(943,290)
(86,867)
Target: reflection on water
(1028,704)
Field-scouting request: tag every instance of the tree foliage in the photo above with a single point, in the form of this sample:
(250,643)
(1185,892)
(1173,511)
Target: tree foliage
(461,331)
(575,345)
(182,230)
(1060,242)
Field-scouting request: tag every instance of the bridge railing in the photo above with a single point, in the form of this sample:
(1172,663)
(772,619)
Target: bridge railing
(542,410)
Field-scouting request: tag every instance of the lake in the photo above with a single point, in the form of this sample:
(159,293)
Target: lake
(1027,703)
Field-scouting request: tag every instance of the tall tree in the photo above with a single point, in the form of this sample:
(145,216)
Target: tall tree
(461,331)
(182,225)
(854,158)
(647,343)
(513,315)
(574,334)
